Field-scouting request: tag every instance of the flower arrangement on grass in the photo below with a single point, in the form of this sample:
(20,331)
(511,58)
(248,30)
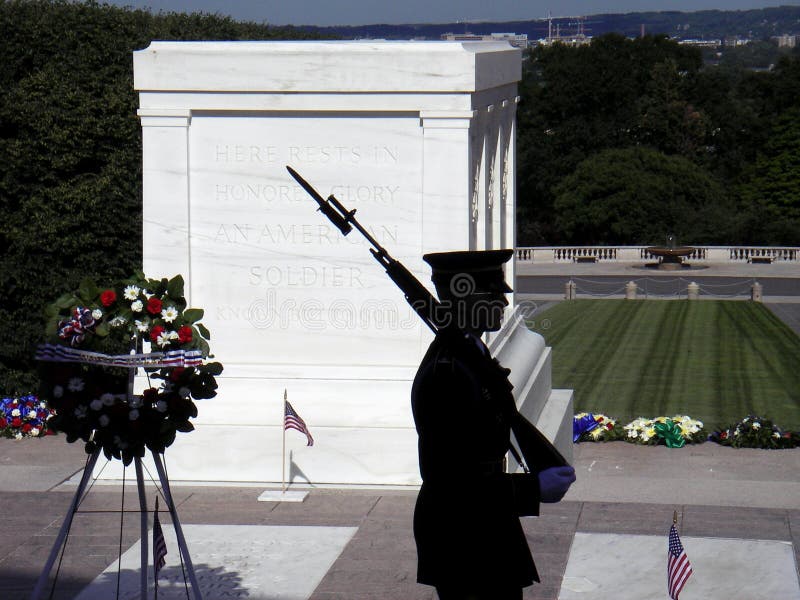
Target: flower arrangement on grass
(755,432)
(88,363)
(24,417)
(595,427)
(674,432)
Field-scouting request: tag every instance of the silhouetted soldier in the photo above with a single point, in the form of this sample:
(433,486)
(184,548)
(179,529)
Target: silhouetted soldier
(470,543)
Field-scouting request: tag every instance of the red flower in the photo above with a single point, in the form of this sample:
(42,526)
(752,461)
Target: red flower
(27,427)
(16,422)
(185,334)
(610,426)
(723,435)
(3,423)
(155,332)
(154,305)
(108,297)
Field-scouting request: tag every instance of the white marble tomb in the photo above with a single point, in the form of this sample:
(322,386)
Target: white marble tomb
(419,138)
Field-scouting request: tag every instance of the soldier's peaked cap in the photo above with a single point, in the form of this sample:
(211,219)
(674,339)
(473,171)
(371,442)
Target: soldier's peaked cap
(485,267)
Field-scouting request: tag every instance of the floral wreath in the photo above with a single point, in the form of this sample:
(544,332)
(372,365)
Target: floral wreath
(96,337)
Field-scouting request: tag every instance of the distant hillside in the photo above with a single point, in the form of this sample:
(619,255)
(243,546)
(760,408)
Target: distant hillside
(707,24)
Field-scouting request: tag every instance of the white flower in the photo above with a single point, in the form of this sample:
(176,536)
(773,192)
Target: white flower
(146,294)
(34,432)
(18,436)
(32,414)
(161,406)
(97,314)
(141,325)
(169,314)
(133,414)
(163,339)
(75,384)
(173,335)
(107,399)
(96,404)
(117,322)
(756,425)
(137,306)
(104,420)
(80,412)
(15,412)
(43,404)
(131,292)
(776,434)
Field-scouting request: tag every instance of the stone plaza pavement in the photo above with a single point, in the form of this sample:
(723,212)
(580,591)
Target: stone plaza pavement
(738,510)
(738,514)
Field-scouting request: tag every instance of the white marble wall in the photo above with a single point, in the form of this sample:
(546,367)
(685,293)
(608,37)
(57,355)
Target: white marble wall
(416,136)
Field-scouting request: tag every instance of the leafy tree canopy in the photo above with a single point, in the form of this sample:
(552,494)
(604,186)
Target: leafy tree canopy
(70,179)
(637,196)
(771,191)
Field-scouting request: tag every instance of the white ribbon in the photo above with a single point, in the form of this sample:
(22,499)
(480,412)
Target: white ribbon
(171,358)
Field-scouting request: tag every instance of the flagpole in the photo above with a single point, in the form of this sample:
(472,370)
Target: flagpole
(283,448)
(155,570)
(142,525)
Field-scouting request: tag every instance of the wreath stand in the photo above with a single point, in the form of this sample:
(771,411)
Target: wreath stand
(79,496)
(76,501)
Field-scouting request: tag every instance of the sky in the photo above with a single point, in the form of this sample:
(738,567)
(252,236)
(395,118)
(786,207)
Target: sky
(364,12)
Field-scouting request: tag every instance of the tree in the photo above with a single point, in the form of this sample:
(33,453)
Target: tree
(636,196)
(667,121)
(577,101)
(70,179)
(770,193)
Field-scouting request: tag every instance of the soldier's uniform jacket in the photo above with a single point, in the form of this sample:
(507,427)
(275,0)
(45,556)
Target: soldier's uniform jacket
(466,521)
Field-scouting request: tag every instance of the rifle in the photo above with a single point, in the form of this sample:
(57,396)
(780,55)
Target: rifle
(538,451)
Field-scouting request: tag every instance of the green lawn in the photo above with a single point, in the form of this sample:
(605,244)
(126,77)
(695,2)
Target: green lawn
(716,361)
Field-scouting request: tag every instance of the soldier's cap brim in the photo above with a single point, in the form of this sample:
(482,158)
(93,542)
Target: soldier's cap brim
(485,267)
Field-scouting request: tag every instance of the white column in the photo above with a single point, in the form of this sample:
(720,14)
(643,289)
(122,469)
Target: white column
(496,210)
(446,180)
(509,218)
(165,193)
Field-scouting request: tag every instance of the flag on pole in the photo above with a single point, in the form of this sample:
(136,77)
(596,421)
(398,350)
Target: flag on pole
(291,420)
(678,566)
(159,545)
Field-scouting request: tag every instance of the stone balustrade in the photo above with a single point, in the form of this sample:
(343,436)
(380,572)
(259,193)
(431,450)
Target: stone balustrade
(712,254)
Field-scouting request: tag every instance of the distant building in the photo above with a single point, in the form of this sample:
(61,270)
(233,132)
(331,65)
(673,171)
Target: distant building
(701,43)
(520,40)
(736,41)
(568,40)
(786,41)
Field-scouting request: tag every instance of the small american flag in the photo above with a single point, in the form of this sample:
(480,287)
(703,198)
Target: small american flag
(678,566)
(159,545)
(291,420)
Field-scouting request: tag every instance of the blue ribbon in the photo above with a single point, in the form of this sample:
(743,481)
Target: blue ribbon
(583,425)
